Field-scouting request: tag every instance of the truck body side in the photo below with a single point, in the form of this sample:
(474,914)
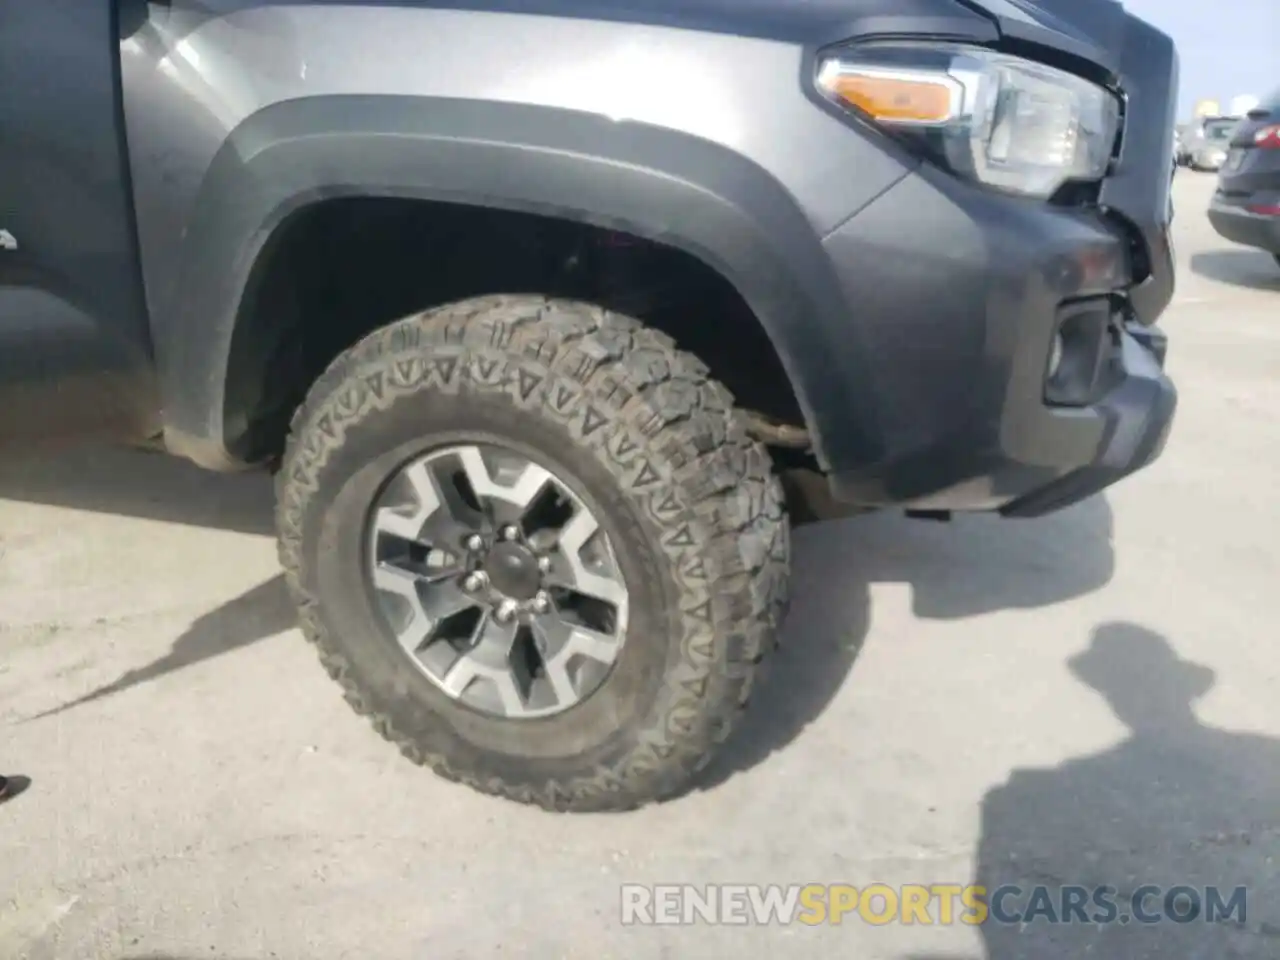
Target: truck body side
(75,342)
(894,296)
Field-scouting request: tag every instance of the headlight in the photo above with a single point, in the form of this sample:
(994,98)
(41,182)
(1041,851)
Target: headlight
(1004,121)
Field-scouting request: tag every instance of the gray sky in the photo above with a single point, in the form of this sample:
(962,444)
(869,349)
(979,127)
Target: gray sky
(1228,47)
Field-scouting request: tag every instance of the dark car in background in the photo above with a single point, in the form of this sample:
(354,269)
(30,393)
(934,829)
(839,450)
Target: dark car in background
(1246,207)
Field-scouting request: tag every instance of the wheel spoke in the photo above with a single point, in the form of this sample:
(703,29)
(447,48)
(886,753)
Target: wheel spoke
(577,532)
(419,627)
(439,566)
(572,573)
(491,643)
(448,571)
(443,600)
(487,660)
(565,640)
(600,647)
(406,524)
(392,579)
(455,519)
(429,603)
(558,646)
(601,588)
(439,516)
(459,676)
(519,493)
(557,674)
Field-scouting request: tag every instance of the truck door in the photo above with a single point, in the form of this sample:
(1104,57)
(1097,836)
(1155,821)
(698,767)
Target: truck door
(75,354)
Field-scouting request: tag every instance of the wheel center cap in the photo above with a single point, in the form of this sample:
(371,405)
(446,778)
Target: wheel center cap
(513,570)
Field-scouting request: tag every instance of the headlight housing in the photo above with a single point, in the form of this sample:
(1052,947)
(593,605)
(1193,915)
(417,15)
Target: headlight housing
(1010,123)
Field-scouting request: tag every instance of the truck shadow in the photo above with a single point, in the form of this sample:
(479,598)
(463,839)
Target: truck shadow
(135,483)
(966,568)
(971,566)
(1240,267)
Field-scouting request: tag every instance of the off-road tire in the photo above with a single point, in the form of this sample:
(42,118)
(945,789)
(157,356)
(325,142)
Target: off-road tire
(695,513)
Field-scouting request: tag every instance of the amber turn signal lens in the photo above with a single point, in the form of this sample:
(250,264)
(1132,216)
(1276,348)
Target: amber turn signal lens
(895,99)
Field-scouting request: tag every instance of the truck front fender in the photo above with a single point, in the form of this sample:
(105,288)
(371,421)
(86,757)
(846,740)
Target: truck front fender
(663,185)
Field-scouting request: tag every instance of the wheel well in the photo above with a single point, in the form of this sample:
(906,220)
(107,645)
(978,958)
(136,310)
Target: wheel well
(341,268)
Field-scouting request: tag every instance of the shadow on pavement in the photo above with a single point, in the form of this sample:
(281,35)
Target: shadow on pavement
(1174,803)
(154,486)
(133,483)
(1087,858)
(1240,267)
(257,614)
(972,566)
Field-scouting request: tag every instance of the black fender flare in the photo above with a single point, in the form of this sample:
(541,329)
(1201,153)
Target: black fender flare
(701,197)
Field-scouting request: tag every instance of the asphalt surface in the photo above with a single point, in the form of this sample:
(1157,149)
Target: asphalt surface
(1087,699)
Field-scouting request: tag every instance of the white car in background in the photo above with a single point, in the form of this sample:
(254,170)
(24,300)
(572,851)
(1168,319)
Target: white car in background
(1211,141)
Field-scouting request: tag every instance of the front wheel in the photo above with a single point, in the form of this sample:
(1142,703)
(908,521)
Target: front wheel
(535,545)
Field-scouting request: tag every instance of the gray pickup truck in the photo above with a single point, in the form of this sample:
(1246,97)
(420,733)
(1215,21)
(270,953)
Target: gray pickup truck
(547,315)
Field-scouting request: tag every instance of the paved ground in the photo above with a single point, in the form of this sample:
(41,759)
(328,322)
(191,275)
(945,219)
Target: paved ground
(988,700)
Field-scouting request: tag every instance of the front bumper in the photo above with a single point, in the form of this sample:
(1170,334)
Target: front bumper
(1231,217)
(1138,414)
(955,293)
(959,293)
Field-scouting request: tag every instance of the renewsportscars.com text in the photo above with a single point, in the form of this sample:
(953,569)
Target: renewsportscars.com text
(940,904)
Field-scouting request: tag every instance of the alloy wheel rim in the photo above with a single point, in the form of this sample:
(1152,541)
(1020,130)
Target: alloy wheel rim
(496,580)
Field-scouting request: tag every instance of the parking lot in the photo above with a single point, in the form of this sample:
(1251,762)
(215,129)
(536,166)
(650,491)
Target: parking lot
(1086,699)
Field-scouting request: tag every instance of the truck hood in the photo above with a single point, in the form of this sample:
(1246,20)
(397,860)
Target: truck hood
(1092,29)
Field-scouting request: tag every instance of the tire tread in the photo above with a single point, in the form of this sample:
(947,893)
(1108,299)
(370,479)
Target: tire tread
(731,525)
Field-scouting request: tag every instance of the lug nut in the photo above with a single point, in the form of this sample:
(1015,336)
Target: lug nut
(510,532)
(475,542)
(474,581)
(544,564)
(506,610)
(542,601)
